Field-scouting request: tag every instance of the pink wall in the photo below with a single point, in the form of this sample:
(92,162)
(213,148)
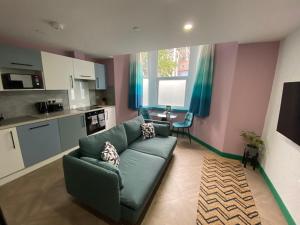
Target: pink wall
(253,79)
(24,44)
(121,78)
(213,128)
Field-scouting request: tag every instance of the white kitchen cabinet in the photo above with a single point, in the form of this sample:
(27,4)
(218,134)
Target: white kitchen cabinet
(110,117)
(83,70)
(10,153)
(58,71)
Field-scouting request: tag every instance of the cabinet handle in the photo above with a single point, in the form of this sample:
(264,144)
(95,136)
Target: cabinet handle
(106,115)
(20,64)
(12,139)
(83,121)
(44,125)
(72,84)
(85,76)
(97,82)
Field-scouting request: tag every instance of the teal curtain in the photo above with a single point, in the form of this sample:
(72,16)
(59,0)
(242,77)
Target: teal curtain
(202,91)
(135,83)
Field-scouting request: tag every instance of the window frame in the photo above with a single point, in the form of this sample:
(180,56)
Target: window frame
(173,78)
(154,79)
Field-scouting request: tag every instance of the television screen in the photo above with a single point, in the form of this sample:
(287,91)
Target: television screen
(289,116)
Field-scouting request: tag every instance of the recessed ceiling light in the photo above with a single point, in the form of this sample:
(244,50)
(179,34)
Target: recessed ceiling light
(136,28)
(188,27)
(56,25)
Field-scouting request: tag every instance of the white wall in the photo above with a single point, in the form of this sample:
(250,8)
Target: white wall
(281,160)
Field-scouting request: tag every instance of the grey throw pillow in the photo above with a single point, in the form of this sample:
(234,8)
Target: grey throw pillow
(110,155)
(148,130)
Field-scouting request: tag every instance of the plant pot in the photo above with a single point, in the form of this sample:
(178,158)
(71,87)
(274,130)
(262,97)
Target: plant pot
(252,150)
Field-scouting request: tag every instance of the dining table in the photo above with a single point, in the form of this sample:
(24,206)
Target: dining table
(163,115)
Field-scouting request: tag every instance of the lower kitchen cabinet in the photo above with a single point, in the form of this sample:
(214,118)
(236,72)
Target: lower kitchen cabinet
(110,117)
(71,129)
(10,153)
(39,141)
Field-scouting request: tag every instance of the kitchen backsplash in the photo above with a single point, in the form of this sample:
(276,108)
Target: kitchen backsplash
(109,94)
(80,95)
(21,103)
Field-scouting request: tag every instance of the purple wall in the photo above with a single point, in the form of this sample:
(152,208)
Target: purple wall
(24,44)
(121,78)
(212,130)
(253,79)
(243,80)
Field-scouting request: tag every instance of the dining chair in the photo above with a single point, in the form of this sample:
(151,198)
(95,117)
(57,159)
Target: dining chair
(145,113)
(186,124)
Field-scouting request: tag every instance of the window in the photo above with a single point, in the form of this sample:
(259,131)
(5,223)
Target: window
(144,59)
(167,78)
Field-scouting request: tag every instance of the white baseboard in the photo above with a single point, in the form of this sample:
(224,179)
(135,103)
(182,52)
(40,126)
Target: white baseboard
(27,170)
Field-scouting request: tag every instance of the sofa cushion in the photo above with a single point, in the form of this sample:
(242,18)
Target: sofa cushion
(148,130)
(133,128)
(105,165)
(141,172)
(110,155)
(162,129)
(158,146)
(93,145)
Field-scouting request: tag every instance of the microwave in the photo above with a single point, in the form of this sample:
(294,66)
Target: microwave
(22,81)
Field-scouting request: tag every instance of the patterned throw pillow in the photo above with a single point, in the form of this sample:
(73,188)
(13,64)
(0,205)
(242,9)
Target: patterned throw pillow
(148,130)
(110,155)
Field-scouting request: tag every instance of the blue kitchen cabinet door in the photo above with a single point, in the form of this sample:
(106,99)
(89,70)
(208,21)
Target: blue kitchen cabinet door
(20,58)
(39,141)
(100,75)
(71,129)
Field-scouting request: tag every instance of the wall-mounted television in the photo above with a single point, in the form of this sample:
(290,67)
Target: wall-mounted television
(289,116)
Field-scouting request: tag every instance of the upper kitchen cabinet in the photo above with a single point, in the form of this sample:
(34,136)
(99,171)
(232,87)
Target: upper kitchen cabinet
(20,58)
(83,70)
(58,71)
(100,76)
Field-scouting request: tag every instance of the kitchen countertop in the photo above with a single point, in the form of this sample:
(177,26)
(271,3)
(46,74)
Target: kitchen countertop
(19,121)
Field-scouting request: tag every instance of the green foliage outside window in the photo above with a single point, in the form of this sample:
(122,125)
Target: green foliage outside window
(166,64)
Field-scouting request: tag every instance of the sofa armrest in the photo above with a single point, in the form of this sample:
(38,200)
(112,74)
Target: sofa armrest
(93,186)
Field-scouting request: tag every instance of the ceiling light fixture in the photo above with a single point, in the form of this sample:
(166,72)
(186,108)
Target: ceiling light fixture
(56,25)
(188,27)
(136,28)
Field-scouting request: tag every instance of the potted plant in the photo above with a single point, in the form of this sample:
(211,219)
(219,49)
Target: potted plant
(254,143)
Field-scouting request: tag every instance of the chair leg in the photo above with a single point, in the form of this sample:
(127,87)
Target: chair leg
(189,135)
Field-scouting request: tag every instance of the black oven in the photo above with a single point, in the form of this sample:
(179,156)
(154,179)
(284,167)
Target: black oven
(95,121)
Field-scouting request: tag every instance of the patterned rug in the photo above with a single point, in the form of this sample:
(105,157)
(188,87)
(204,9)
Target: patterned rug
(225,197)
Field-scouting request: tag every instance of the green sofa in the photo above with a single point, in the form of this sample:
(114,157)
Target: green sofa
(120,194)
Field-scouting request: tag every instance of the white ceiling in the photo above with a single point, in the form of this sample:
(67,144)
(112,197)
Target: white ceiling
(104,27)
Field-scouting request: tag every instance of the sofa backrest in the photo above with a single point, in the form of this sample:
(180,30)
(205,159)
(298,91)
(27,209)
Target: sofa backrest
(93,145)
(133,128)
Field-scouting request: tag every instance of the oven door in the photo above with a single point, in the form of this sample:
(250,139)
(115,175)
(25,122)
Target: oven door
(93,123)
